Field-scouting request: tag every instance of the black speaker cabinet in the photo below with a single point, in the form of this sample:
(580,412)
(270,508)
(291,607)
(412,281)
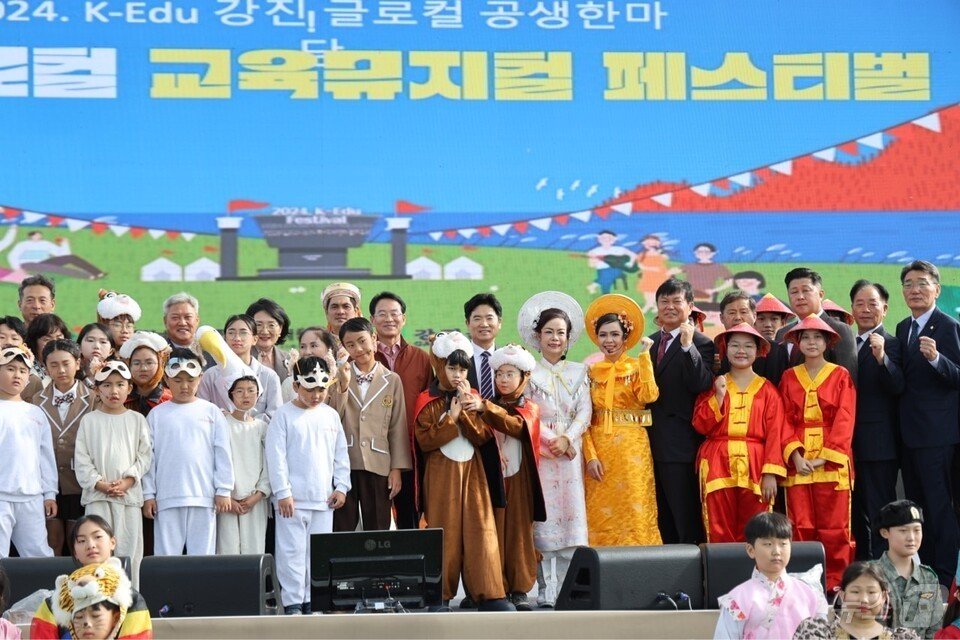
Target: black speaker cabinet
(187,586)
(611,578)
(726,564)
(27,575)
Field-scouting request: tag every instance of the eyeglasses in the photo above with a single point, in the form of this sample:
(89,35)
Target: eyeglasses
(919,284)
(143,364)
(393,315)
(269,326)
(120,324)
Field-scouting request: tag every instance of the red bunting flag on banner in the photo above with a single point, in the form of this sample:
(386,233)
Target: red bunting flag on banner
(562,219)
(405,207)
(10,213)
(136,232)
(99,227)
(246,205)
(55,221)
(173,235)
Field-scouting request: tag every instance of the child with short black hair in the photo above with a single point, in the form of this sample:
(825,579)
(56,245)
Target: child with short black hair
(456,492)
(772,603)
(112,455)
(309,468)
(65,401)
(243,529)
(28,475)
(191,477)
(914,587)
(369,399)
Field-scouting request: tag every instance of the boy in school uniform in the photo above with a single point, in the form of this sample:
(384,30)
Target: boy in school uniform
(28,476)
(191,476)
(369,399)
(914,587)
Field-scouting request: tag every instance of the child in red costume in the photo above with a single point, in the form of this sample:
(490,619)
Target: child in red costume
(741,459)
(820,403)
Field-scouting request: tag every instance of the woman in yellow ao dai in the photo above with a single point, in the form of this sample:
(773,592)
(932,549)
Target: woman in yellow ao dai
(621,500)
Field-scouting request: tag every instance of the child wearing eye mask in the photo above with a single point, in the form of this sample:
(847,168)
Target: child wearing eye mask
(191,477)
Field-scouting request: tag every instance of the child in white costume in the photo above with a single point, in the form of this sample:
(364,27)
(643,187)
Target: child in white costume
(28,474)
(191,476)
(243,529)
(309,469)
(112,455)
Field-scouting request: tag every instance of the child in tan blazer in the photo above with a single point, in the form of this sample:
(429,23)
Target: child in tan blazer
(369,398)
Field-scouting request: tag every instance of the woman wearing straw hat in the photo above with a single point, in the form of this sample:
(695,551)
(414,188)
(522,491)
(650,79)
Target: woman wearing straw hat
(620,493)
(551,322)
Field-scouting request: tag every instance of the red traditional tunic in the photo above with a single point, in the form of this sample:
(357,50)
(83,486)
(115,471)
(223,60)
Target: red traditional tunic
(820,415)
(743,442)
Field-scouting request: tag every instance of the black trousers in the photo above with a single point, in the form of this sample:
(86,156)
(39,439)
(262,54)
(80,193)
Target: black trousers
(928,481)
(875,486)
(679,515)
(369,496)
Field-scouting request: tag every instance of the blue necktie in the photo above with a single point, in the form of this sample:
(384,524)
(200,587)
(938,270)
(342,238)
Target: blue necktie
(486,378)
(914,335)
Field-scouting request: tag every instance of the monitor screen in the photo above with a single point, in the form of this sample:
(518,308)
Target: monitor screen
(371,567)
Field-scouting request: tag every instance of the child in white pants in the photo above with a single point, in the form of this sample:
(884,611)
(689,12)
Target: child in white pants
(28,471)
(113,452)
(191,477)
(243,529)
(309,471)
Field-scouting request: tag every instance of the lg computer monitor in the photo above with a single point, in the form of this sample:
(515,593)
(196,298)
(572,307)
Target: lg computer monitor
(370,567)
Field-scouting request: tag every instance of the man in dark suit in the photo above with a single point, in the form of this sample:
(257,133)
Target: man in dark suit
(805,293)
(876,438)
(930,359)
(682,366)
(484,317)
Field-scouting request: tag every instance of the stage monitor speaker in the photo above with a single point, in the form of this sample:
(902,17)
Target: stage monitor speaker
(651,578)
(26,575)
(726,564)
(188,586)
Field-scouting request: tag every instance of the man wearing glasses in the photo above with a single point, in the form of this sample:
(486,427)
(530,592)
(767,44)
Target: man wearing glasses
(930,359)
(388,314)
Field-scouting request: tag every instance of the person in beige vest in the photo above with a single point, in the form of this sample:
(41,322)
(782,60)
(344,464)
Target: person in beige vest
(369,399)
(64,402)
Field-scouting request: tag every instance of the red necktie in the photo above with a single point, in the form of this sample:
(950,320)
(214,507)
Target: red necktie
(665,339)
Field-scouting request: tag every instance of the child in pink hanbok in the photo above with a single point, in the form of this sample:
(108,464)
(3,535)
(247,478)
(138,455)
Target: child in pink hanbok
(772,603)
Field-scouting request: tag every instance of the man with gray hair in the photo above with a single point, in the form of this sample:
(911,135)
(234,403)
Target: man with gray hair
(181,317)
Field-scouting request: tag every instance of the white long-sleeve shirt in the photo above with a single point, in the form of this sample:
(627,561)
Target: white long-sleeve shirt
(191,455)
(214,389)
(112,447)
(307,456)
(31,251)
(28,468)
(246,452)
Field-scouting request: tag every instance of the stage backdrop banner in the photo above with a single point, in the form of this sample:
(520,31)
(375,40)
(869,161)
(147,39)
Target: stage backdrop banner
(439,148)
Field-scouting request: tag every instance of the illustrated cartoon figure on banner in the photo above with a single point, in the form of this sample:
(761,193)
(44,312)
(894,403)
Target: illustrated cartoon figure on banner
(652,261)
(36,255)
(15,275)
(707,277)
(750,282)
(611,261)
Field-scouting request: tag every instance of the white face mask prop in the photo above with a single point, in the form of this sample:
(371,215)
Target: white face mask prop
(316,379)
(112,366)
(10,354)
(176,365)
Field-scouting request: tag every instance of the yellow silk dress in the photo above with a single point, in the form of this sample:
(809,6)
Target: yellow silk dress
(622,509)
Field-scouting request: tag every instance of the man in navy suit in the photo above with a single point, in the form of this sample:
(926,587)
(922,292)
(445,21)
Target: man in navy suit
(682,366)
(929,408)
(876,438)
